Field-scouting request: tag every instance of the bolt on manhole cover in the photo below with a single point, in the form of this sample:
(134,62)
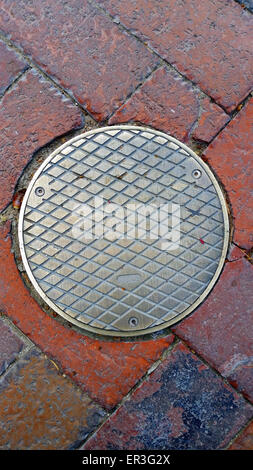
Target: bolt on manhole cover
(123,230)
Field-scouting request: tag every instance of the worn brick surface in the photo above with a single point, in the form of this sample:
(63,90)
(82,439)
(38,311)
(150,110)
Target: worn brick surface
(230,155)
(244,440)
(82,49)
(41,409)
(211,120)
(183,405)
(32,114)
(106,369)
(221,328)
(169,103)
(10,346)
(206,41)
(11,65)
(235,253)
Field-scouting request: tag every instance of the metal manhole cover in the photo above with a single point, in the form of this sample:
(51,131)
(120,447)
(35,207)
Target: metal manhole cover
(123,230)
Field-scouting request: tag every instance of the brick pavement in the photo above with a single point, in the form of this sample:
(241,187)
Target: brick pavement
(185,70)
(182,405)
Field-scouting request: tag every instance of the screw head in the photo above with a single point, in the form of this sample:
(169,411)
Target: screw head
(133,321)
(196,174)
(39,191)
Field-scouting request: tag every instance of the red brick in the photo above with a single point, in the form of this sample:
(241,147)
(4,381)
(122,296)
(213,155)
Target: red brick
(82,48)
(32,114)
(230,155)
(11,65)
(206,41)
(245,440)
(40,409)
(107,370)
(10,346)
(220,329)
(235,253)
(183,405)
(168,102)
(211,120)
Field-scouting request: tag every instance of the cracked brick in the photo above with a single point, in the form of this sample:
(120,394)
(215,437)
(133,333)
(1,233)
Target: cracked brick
(235,253)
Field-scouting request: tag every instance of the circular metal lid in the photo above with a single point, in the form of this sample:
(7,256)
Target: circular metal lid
(123,230)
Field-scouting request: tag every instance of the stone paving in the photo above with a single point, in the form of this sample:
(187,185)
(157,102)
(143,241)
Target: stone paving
(183,67)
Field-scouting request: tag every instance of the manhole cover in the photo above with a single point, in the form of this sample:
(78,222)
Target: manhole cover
(123,230)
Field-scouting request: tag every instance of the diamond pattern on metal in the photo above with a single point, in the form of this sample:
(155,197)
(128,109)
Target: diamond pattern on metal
(122,286)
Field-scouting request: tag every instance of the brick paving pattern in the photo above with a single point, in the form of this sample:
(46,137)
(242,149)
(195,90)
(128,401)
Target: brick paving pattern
(183,68)
(168,411)
(169,103)
(219,330)
(88,47)
(208,42)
